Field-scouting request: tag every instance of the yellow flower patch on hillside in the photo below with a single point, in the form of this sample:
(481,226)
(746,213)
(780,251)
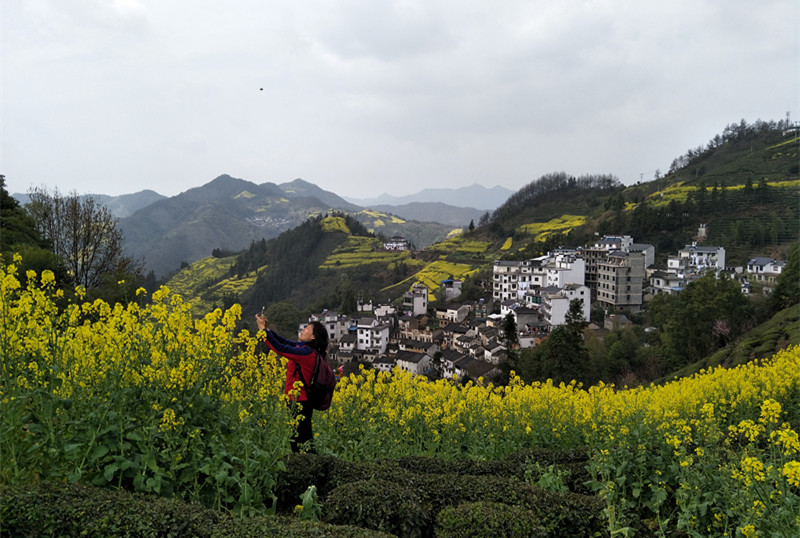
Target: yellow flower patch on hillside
(562,224)
(507,244)
(204,283)
(335,224)
(680,192)
(380,218)
(361,251)
(432,274)
(459,245)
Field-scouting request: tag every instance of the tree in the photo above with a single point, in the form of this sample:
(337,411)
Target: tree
(562,357)
(18,234)
(706,315)
(574,317)
(284,318)
(84,235)
(511,342)
(471,225)
(510,331)
(16,226)
(787,288)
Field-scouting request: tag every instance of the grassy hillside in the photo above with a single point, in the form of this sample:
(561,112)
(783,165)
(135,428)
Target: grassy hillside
(207,284)
(782,331)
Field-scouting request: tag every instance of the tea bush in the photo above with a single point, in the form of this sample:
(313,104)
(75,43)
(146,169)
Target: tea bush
(50,509)
(488,520)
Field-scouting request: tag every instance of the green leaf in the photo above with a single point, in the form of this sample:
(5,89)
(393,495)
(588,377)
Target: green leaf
(71,447)
(221,475)
(152,464)
(99,452)
(134,436)
(109,471)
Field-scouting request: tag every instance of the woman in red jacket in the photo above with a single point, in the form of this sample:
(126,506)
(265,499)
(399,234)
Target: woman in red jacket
(302,357)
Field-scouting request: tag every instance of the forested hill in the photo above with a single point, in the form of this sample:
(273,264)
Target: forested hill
(743,187)
(290,266)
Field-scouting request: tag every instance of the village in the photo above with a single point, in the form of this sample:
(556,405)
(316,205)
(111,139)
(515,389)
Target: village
(464,340)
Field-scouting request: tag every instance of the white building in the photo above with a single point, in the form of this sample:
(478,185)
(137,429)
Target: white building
(565,269)
(416,363)
(556,303)
(396,243)
(666,282)
(701,258)
(451,289)
(415,301)
(371,336)
(516,279)
(336,325)
(764,270)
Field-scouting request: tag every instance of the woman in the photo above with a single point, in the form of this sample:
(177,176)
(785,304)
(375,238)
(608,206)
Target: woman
(302,357)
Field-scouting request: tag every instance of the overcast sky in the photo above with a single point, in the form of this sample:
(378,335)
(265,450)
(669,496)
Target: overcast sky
(366,97)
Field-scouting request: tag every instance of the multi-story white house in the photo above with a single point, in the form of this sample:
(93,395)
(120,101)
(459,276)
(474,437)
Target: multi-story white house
(336,325)
(396,243)
(506,278)
(517,279)
(764,270)
(415,301)
(555,302)
(701,258)
(566,269)
(451,288)
(371,336)
(666,282)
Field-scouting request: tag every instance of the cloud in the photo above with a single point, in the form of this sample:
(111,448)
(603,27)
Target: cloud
(363,97)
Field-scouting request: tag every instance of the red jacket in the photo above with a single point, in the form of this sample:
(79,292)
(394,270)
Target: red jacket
(298,353)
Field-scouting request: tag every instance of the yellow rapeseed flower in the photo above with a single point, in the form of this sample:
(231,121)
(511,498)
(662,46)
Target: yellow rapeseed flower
(791,471)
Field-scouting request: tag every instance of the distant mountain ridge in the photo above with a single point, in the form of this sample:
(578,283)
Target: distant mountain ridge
(120,206)
(473,196)
(434,212)
(227,213)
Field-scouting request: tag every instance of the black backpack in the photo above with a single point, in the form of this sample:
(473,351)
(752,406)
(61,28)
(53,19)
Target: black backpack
(323,383)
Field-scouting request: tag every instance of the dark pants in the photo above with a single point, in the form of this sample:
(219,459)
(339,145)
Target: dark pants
(304,433)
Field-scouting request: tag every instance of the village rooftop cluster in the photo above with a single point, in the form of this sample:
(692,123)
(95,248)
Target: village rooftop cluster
(465,339)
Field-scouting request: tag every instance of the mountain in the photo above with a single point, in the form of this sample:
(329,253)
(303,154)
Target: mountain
(433,212)
(475,195)
(227,214)
(119,206)
(301,188)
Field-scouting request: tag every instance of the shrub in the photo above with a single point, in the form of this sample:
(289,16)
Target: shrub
(489,520)
(379,505)
(561,514)
(571,464)
(432,465)
(417,488)
(50,509)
